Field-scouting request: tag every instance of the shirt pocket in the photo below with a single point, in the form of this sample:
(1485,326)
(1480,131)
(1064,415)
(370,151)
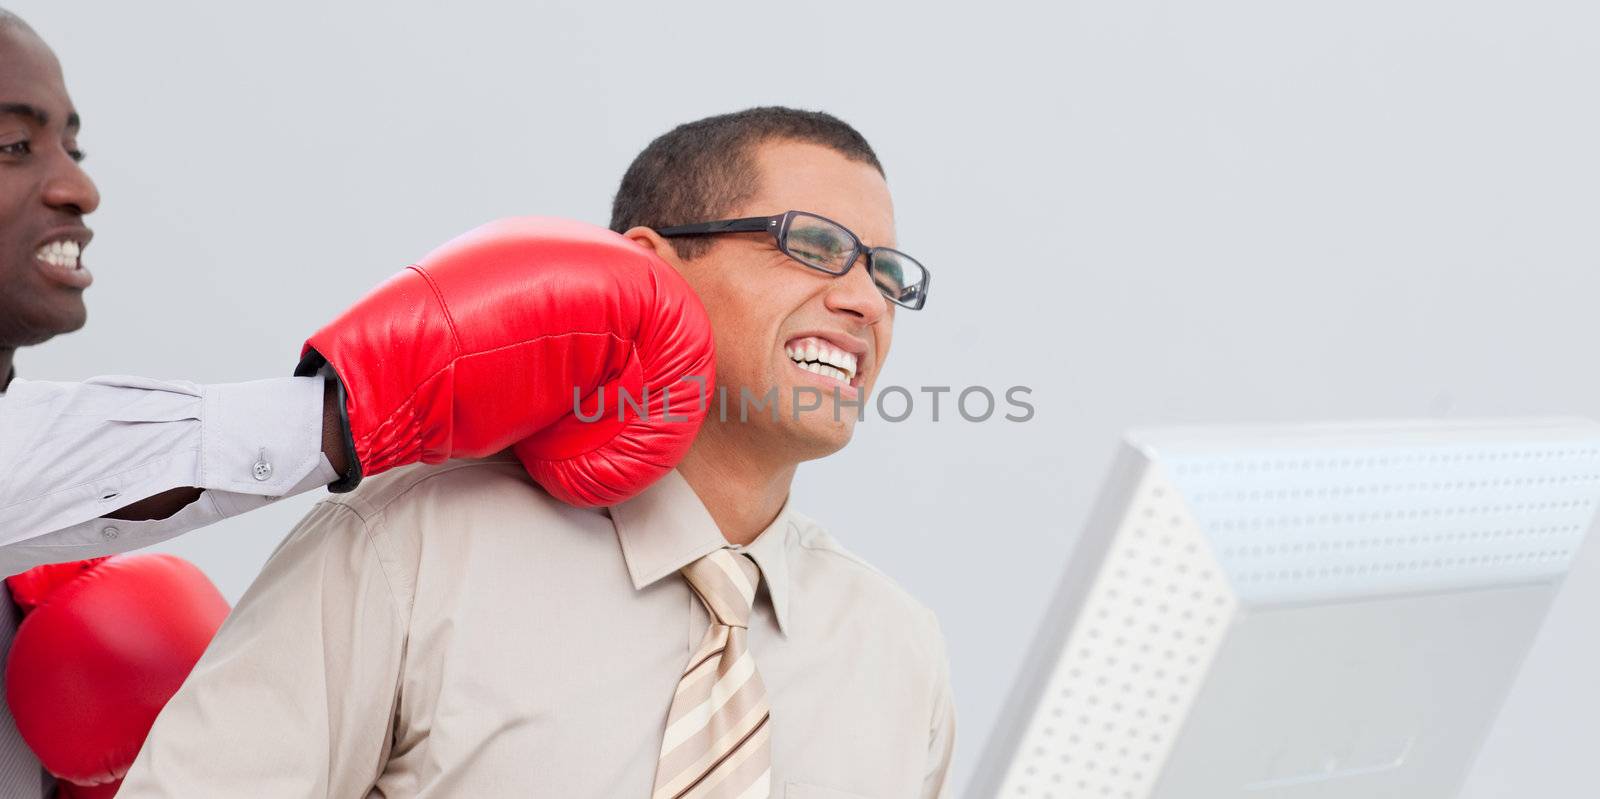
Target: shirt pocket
(795,790)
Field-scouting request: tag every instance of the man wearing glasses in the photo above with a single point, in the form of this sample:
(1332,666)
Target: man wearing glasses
(446,631)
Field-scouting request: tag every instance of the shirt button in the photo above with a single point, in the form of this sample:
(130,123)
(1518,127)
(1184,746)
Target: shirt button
(110,533)
(262,470)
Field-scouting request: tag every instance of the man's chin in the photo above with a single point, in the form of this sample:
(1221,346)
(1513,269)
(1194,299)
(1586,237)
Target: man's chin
(44,323)
(72,318)
(818,435)
(811,435)
(782,421)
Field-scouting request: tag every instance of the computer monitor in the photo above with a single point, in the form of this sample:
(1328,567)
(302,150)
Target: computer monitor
(1333,610)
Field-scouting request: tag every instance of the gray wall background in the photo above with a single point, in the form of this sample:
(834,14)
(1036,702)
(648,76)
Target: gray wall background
(1149,212)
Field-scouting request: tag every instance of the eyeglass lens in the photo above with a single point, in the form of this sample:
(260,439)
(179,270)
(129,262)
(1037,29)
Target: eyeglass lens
(831,248)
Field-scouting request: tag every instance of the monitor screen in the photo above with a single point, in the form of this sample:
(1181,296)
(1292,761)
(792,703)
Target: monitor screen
(1332,610)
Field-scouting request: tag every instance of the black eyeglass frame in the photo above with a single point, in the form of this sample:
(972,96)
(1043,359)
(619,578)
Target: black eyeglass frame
(778,226)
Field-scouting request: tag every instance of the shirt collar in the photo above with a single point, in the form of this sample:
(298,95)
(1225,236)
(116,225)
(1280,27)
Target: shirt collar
(667,527)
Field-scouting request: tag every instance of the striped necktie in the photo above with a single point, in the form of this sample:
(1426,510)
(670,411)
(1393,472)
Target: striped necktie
(716,745)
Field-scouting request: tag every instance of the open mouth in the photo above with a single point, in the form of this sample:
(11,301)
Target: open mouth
(62,259)
(819,357)
(64,254)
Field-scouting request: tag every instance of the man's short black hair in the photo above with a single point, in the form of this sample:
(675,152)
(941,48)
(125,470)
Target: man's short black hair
(702,170)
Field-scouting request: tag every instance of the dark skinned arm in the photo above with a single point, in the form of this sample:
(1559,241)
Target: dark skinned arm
(166,503)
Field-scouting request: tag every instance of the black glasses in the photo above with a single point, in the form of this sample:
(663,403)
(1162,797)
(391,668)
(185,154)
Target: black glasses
(827,246)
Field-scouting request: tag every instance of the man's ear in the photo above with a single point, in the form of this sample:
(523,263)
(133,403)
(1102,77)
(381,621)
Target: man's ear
(652,241)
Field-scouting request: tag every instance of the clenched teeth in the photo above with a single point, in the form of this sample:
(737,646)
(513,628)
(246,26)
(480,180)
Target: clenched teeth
(819,357)
(827,371)
(61,253)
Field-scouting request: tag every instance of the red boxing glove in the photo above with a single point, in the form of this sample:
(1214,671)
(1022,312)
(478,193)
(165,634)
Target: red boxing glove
(497,337)
(103,645)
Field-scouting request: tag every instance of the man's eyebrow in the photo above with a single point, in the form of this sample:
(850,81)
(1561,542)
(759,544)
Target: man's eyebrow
(25,110)
(37,115)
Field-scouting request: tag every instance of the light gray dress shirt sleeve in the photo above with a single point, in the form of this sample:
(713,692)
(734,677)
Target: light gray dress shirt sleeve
(72,452)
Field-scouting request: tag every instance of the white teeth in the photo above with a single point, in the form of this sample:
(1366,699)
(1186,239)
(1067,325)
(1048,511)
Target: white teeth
(60,253)
(819,357)
(827,371)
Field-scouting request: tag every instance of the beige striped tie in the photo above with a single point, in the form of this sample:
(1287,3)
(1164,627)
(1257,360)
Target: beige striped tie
(716,745)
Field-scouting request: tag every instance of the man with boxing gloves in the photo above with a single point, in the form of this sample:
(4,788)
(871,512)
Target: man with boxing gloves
(443,631)
(117,463)
(89,651)
(432,366)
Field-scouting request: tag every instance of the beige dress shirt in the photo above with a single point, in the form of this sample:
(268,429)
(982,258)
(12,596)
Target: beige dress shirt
(452,631)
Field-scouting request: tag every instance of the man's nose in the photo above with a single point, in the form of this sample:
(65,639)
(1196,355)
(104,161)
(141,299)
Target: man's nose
(855,293)
(69,188)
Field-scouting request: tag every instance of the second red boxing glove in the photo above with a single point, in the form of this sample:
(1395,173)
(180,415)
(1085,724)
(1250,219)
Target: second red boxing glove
(494,338)
(102,646)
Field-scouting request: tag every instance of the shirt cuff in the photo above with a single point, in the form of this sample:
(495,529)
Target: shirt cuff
(263,437)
